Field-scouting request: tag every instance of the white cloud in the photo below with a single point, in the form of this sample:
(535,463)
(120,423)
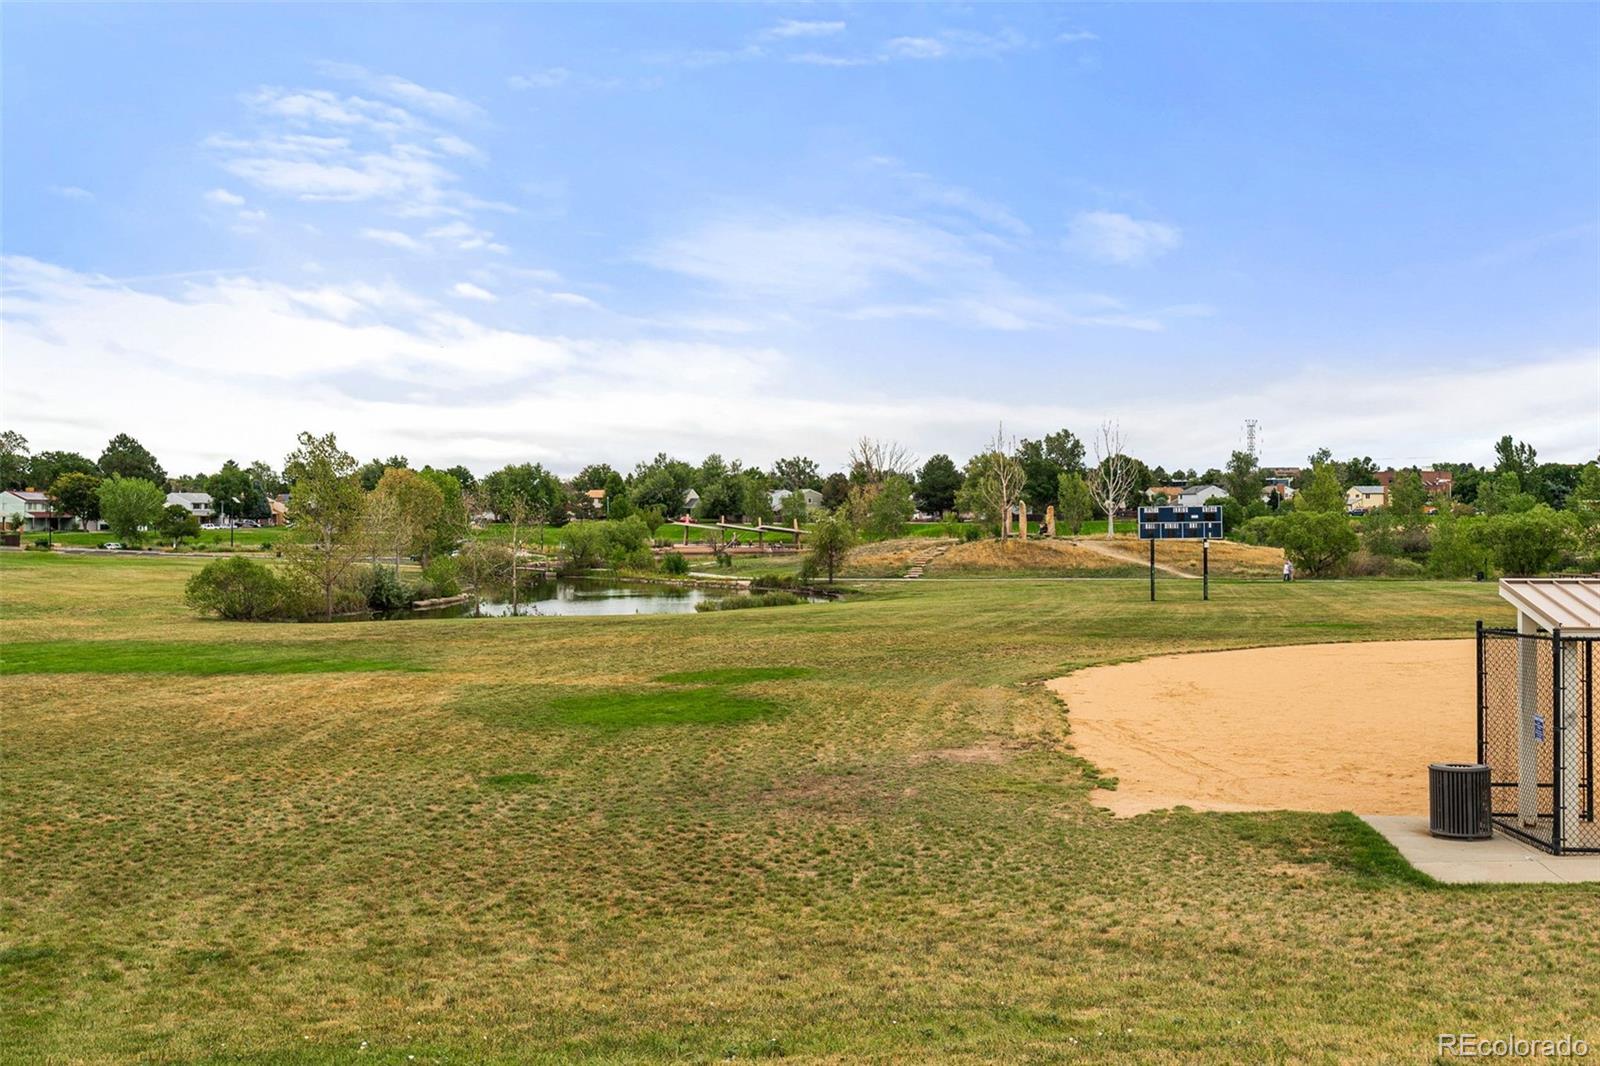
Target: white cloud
(814,259)
(822,59)
(224,198)
(390,371)
(394,238)
(928,190)
(468,291)
(863,266)
(791,28)
(573,299)
(1075,36)
(311,107)
(1112,237)
(916,48)
(549,78)
(441,104)
(71,192)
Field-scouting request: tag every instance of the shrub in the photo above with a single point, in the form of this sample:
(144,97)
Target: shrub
(627,542)
(1366,563)
(743,601)
(583,545)
(240,590)
(773,581)
(382,589)
(1527,542)
(674,564)
(439,578)
(1260,530)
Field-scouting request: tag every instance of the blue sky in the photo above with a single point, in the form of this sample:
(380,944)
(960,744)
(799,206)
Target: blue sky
(484,234)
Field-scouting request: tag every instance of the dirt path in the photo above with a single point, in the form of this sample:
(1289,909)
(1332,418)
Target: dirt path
(1131,557)
(1322,727)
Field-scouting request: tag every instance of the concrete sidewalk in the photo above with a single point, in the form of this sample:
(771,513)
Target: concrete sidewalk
(1500,860)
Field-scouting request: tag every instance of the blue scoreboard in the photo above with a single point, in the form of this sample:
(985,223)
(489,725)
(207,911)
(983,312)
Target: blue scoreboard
(1170,522)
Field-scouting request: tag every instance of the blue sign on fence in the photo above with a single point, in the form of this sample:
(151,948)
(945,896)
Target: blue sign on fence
(1170,522)
(1538,728)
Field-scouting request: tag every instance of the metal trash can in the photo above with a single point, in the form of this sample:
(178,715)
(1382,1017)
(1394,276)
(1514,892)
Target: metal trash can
(1458,801)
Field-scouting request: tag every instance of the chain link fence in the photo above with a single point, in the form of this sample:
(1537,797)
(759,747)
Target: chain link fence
(1536,735)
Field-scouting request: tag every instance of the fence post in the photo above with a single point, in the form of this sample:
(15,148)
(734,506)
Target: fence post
(1558,800)
(1480,711)
(1588,729)
(1527,709)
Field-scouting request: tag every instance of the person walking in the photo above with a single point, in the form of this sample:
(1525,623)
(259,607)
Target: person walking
(1288,570)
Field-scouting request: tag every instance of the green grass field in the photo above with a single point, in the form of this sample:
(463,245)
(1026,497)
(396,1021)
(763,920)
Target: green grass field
(851,831)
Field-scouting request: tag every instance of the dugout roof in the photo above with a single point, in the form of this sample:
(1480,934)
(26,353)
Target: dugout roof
(1570,604)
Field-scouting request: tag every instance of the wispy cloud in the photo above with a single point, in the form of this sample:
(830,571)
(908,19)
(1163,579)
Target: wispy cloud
(468,291)
(72,192)
(927,190)
(224,198)
(1112,237)
(319,146)
(916,48)
(417,97)
(787,29)
(943,44)
(866,266)
(562,77)
(1076,36)
(394,239)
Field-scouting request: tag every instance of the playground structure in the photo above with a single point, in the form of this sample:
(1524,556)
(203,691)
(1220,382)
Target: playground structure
(722,525)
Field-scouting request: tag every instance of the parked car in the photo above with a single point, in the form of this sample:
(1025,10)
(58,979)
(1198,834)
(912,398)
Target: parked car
(249,523)
(112,545)
(208,525)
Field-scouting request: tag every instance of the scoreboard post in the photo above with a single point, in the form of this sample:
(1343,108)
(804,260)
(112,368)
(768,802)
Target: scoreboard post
(1173,522)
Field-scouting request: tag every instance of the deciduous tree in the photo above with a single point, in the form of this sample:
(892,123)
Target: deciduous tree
(13,460)
(326,509)
(77,495)
(126,457)
(1076,504)
(830,541)
(177,523)
(130,506)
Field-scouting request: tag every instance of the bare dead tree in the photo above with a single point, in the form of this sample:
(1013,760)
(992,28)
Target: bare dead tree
(995,477)
(1113,474)
(874,460)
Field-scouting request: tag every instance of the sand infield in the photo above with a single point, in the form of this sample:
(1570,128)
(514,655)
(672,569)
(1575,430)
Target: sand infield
(1321,727)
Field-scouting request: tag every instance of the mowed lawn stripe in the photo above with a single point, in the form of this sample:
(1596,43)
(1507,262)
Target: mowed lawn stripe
(190,658)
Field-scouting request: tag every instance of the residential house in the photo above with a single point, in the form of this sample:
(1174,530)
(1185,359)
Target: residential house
(198,504)
(278,510)
(1197,495)
(36,510)
(1167,493)
(596,498)
(1363,498)
(1437,482)
(812,497)
(691,500)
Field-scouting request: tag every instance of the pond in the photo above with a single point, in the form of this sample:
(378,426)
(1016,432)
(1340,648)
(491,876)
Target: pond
(581,596)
